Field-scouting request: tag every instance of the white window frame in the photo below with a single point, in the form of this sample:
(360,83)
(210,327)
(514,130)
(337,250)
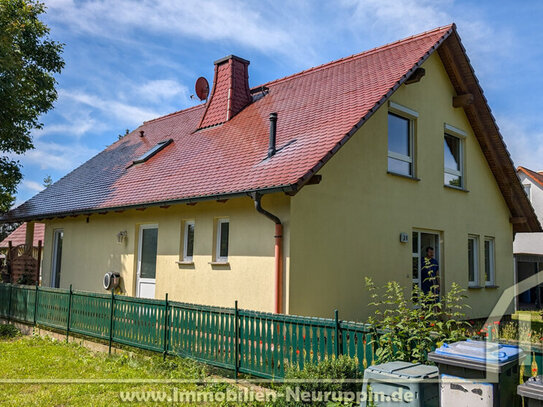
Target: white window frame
(187,223)
(461,136)
(218,257)
(476,273)
(409,115)
(492,259)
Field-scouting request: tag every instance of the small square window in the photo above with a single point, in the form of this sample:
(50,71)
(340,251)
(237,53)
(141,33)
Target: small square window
(188,241)
(400,145)
(223,231)
(473,261)
(490,272)
(454,161)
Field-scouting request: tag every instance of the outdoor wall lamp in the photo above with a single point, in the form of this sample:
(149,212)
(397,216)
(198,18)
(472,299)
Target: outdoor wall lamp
(122,236)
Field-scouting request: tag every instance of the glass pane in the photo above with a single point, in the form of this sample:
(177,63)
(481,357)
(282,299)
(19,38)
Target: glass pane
(488,260)
(415,268)
(58,259)
(223,252)
(398,135)
(453,180)
(399,167)
(471,260)
(415,239)
(452,152)
(148,253)
(190,240)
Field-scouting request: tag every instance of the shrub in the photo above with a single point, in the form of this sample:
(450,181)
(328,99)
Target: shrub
(329,375)
(408,327)
(8,331)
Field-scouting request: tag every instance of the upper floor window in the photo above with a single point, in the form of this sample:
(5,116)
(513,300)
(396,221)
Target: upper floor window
(400,145)
(221,249)
(453,157)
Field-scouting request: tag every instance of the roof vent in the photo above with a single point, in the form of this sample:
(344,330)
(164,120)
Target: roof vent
(230,94)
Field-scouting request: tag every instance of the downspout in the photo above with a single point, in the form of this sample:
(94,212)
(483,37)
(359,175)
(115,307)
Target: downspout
(278,292)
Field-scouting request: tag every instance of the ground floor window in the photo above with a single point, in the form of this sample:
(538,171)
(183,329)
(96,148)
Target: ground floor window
(221,249)
(58,237)
(188,241)
(490,272)
(473,260)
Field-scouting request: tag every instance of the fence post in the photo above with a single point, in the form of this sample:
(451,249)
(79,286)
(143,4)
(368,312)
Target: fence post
(236,340)
(9,301)
(338,348)
(36,296)
(69,313)
(111,307)
(166,328)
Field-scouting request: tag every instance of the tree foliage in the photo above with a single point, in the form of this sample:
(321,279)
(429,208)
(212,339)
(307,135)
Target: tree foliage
(29,59)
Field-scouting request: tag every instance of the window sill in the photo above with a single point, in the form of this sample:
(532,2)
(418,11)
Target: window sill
(475,287)
(492,286)
(456,188)
(403,176)
(219,263)
(185,263)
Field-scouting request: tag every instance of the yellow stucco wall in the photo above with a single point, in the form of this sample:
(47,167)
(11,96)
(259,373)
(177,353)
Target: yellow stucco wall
(348,226)
(91,249)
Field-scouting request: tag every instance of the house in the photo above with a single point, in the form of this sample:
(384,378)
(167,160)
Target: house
(21,258)
(528,247)
(285,196)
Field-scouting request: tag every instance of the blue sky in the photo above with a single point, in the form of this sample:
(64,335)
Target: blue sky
(130,61)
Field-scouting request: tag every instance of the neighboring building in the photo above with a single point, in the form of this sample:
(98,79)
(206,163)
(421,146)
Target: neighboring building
(25,256)
(372,158)
(528,247)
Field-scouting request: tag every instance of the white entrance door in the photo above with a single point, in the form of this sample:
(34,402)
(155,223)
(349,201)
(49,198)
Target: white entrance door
(147,253)
(421,241)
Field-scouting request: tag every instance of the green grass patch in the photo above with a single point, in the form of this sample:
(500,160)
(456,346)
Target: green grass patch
(36,358)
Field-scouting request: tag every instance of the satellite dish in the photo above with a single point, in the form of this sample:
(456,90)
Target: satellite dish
(202,88)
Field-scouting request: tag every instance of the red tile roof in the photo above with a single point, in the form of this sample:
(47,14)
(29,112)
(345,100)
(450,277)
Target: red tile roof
(18,236)
(318,111)
(535,176)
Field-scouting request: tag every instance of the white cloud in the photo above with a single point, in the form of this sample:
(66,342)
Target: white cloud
(163,90)
(128,113)
(60,157)
(210,20)
(32,185)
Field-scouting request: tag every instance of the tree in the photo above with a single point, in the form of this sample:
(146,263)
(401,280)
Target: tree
(28,61)
(47,181)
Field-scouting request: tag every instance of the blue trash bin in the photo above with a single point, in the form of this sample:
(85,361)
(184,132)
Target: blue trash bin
(478,373)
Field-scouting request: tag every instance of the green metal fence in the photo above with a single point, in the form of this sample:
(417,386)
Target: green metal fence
(257,343)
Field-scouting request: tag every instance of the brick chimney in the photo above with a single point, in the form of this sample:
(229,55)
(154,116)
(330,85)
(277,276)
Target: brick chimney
(230,92)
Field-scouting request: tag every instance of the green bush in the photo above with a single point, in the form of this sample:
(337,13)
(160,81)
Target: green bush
(8,331)
(407,327)
(328,376)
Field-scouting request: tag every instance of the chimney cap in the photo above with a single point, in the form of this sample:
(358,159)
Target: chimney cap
(229,57)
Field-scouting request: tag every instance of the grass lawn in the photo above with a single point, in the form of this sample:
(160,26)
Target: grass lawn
(37,358)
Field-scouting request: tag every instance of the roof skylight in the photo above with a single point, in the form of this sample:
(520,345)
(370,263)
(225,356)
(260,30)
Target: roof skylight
(159,146)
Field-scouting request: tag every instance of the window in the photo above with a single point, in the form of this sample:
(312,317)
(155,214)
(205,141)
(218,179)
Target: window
(473,261)
(527,191)
(152,151)
(453,157)
(400,145)
(188,241)
(221,250)
(489,262)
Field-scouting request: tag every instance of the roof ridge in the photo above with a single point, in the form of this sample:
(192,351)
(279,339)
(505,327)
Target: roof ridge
(358,55)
